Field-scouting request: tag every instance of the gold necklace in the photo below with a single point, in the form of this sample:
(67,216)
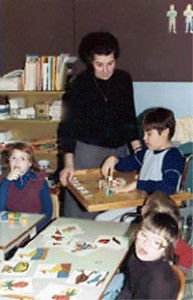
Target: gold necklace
(105,95)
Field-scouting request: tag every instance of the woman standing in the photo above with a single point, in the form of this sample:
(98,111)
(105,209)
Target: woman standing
(101,118)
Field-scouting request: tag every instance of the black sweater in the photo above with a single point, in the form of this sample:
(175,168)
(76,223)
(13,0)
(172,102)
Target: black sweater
(93,120)
(150,279)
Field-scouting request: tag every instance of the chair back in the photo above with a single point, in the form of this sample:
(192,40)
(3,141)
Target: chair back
(181,278)
(56,206)
(187,182)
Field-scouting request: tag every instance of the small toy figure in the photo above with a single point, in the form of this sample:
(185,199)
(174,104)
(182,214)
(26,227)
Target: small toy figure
(188,14)
(172,15)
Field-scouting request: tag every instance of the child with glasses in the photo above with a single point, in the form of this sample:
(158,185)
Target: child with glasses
(150,275)
(160,202)
(22,187)
(145,270)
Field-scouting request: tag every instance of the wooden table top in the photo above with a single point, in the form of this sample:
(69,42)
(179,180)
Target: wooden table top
(99,201)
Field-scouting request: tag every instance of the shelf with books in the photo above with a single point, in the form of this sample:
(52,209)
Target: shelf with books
(47,72)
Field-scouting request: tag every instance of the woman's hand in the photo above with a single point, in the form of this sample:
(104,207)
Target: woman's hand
(108,166)
(66,175)
(125,189)
(68,172)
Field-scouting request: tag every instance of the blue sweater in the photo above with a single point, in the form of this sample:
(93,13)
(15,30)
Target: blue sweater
(158,170)
(29,193)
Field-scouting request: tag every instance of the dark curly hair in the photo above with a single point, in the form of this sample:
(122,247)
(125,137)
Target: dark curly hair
(101,43)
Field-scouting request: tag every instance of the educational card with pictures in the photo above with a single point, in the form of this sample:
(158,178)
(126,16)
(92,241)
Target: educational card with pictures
(11,285)
(87,277)
(31,254)
(112,242)
(63,231)
(80,247)
(56,291)
(18,268)
(57,270)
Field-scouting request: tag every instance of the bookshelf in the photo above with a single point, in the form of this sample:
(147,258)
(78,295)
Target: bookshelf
(33,130)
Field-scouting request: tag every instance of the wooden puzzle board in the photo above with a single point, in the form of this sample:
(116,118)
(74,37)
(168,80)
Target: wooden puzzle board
(99,201)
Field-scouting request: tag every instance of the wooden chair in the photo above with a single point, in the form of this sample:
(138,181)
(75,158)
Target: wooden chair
(182,280)
(56,206)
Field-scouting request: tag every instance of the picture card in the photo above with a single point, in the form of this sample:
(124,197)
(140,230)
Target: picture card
(112,242)
(62,231)
(59,270)
(80,247)
(17,268)
(11,285)
(56,291)
(50,241)
(87,277)
(31,253)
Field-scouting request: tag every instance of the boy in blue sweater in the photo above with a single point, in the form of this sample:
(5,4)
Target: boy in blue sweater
(160,165)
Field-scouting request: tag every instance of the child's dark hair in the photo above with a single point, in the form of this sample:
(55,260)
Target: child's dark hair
(159,118)
(101,43)
(162,223)
(25,147)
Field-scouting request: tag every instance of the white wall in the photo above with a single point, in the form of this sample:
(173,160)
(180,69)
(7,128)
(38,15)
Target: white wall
(177,96)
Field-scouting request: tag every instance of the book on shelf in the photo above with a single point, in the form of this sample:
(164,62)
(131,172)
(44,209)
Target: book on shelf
(30,73)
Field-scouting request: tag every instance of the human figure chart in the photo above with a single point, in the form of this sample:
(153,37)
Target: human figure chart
(188,14)
(172,15)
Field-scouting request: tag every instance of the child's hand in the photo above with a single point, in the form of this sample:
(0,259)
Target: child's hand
(108,166)
(125,189)
(13,175)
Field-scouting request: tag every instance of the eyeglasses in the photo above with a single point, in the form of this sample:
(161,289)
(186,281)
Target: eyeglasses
(155,241)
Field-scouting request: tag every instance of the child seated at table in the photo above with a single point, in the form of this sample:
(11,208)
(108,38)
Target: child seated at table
(160,164)
(160,202)
(22,187)
(150,275)
(147,269)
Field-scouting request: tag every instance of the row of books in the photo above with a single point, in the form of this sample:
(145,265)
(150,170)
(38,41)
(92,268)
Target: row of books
(47,73)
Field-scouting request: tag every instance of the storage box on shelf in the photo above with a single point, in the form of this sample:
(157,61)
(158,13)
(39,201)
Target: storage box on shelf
(34,130)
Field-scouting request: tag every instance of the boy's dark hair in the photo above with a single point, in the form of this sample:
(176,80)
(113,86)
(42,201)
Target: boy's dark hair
(101,43)
(159,118)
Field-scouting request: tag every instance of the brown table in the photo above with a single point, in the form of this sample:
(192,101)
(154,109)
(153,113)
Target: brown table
(89,178)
